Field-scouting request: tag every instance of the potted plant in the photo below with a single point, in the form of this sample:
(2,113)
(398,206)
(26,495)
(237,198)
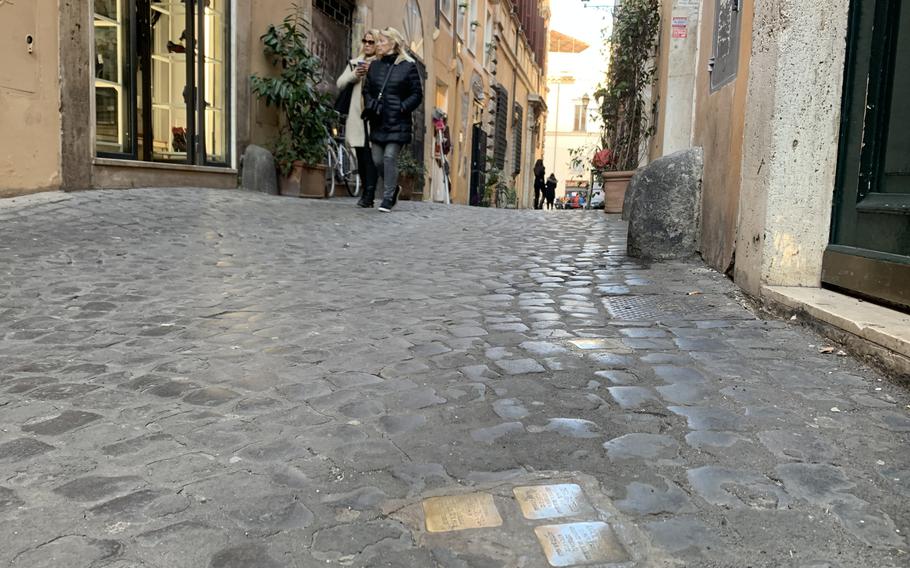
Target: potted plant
(411,175)
(305,112)
(621,102)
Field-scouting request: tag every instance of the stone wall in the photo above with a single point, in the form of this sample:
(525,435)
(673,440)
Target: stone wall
(791,141)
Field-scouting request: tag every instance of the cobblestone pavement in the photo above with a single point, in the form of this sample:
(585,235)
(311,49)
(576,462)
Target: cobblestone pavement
(194,378)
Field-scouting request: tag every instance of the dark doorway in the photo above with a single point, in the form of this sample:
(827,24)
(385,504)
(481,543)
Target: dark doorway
(478,163)
(870,248)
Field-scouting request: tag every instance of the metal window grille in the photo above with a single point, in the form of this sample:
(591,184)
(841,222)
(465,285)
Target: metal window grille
(339,10)
(501,127)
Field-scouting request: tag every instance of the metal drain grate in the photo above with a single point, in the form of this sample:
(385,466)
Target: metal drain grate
(637,308)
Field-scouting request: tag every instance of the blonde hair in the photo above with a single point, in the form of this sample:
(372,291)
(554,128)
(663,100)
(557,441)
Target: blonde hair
(373,32)
(397,39)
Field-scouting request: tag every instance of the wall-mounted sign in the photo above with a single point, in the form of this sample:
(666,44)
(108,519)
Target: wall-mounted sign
(680,27)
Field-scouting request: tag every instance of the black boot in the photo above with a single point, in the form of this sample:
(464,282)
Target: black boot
(367,197)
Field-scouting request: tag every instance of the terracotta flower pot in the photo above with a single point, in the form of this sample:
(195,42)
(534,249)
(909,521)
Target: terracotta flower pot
(304,181)
(615,185)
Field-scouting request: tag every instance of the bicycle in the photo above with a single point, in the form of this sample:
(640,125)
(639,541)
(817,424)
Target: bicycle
(342,167)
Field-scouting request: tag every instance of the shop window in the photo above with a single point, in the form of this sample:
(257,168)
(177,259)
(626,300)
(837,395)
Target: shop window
(162,80)
(112,87)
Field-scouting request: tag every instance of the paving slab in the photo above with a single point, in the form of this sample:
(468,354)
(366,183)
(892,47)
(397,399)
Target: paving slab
(209,378)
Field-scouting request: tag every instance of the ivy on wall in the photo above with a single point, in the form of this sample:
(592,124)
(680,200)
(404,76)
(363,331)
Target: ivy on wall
(636,27)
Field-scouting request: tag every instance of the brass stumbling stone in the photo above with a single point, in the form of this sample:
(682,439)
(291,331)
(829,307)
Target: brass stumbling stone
(577,544)
(552,501)
(461,512)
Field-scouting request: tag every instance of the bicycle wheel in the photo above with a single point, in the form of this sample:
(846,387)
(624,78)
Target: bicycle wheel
(331,160)
(350,171)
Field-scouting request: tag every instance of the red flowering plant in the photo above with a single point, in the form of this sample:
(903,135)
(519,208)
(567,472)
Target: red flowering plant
(603,160)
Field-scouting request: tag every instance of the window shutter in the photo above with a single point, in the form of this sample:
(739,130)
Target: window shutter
(517,126)
(500,140)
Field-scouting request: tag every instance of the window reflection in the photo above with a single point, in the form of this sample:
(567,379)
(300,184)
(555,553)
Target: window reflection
(171,76)
(215,81)
(111,86)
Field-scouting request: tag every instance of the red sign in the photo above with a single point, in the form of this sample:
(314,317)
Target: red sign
(680,28)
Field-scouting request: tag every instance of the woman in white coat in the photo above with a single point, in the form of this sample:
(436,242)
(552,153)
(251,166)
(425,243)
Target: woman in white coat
(355,130)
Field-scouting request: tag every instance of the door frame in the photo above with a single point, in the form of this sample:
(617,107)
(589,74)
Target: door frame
(878,275)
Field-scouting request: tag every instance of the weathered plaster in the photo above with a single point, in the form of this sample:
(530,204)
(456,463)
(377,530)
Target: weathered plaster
(29,99)
(718,128)
(791,141)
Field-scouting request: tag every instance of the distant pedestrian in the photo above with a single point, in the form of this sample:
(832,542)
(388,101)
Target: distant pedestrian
(392,92)
(355,132)
(549,191)
(440,184)
(540,184)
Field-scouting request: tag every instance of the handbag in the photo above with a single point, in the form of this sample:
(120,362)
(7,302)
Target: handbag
(373,111)
(343,101)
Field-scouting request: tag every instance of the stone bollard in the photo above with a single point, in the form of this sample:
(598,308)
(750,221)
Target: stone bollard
(663,207)
(258,171)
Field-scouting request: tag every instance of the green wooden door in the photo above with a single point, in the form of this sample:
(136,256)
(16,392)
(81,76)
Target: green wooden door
(870,246)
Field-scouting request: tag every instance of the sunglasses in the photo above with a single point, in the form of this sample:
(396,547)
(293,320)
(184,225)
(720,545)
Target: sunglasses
(368,41)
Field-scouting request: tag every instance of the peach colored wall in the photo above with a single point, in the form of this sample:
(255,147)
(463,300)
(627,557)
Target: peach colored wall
(256,123)
(30,150)
(718,128)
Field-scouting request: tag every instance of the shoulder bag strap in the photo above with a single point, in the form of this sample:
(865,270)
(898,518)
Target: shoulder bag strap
(386,82)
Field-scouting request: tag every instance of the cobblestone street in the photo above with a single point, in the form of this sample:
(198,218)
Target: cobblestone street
(201,378)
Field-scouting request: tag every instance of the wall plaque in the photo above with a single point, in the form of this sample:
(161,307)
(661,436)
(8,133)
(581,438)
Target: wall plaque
(460,512)
(552,501)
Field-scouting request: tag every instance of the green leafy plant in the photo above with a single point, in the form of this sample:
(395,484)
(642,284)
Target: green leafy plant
(306,113)
(408,166)
(621,100)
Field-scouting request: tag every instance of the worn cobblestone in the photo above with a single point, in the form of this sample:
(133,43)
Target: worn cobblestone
(222,379)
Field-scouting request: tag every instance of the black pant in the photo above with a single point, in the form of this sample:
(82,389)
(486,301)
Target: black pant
(367,170)
(538,199)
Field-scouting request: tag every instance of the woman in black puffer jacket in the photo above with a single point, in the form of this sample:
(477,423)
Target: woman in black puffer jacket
(393,86)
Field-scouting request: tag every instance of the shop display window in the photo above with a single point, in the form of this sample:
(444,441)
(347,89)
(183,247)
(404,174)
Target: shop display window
(161,83)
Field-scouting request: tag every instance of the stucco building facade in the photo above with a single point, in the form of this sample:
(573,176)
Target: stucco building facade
(128,93)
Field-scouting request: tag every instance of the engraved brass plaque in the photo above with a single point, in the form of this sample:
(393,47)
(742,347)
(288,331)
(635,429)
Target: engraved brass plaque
(592,343)
(460,512)
(552,501)
(577,544)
